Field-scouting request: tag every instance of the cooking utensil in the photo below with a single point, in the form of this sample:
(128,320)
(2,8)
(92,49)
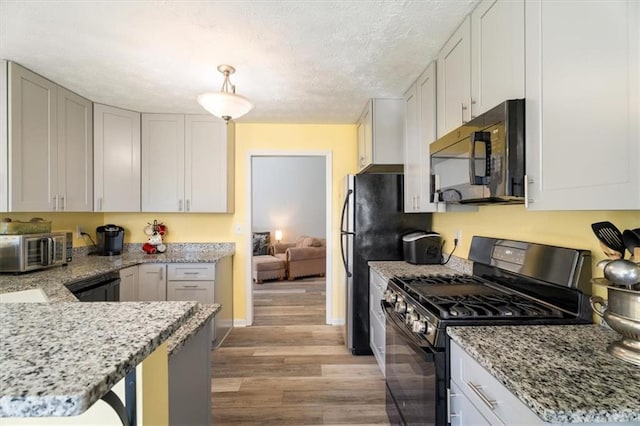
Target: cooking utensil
(622,272)
(631,240)
(609,235)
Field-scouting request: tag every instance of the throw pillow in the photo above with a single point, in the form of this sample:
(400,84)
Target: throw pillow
(261,243)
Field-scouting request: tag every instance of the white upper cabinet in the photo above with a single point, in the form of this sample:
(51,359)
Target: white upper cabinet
(4,148)
(116,159)
(582,106)
(497,53)
(209,164)
(420,131)
(187,163)
(454,80)
(381,135)
(163,163)
(49,145)
(75,152)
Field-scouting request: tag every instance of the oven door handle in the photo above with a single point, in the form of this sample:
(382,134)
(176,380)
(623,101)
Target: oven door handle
(408,336)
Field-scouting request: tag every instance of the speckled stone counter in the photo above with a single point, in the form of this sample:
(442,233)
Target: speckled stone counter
(390,268)
(60,358)
(52,281)
(563,373)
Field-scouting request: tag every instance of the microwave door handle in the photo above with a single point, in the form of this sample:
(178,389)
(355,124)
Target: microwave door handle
(54,249)
(51,252)
(482,137)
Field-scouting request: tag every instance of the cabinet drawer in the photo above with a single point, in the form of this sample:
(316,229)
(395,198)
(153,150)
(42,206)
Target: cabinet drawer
(462,412)
(377,340)
(483,389)
(199,291)
(191,271)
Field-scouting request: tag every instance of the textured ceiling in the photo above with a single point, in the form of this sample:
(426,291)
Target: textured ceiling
(298,61)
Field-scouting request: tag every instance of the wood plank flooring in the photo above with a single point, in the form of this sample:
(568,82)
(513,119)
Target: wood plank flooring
(291,369)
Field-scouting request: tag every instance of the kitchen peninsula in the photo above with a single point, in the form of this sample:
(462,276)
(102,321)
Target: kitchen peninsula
(59,358)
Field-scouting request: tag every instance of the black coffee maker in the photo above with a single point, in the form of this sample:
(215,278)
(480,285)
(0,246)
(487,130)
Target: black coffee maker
(110,239)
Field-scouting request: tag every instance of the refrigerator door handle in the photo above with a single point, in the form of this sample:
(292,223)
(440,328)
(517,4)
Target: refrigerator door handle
(344,257)
(344,209)
(344,233)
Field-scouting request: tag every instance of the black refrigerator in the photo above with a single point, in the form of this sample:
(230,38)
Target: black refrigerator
(371,228)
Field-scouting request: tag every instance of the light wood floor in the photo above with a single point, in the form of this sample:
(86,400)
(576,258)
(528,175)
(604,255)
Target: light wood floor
(291,369)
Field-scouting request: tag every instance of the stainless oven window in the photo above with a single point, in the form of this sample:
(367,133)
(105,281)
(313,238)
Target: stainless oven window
(414,376)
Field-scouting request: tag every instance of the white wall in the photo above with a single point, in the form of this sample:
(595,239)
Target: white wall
(289,194)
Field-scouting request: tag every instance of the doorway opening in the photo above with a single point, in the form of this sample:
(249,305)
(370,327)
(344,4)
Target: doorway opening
(289,229)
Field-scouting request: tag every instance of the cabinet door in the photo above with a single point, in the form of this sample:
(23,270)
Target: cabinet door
(163,165)
(129,284)
(387,132)
(224,296)
(75,152)
(454,80)
(206,164)
(152,282)
(497,53)
(33,157)
(4,147)
(199,291)
(360,145)
(582,105)
(116,159)
(411,150)
(366,146)
(426,91)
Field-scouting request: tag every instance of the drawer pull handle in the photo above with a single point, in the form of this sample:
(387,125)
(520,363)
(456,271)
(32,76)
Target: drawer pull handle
(191,273)
(191,286)
(491,403)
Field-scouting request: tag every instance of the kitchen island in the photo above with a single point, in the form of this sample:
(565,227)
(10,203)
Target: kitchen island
(563,374)
(58,359)
(113,336)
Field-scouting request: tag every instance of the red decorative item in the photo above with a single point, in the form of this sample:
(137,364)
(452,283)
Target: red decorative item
(149,249)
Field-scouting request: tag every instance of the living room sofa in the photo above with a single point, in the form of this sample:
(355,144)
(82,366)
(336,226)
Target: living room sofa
(306,257)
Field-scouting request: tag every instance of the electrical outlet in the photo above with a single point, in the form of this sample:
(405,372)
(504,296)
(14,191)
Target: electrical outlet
(458,235)
(239,229)
(79,231)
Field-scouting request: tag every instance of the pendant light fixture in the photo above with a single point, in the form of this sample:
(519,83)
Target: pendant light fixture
(225,104)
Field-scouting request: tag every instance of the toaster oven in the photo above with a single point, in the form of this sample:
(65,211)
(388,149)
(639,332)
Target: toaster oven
(30,252)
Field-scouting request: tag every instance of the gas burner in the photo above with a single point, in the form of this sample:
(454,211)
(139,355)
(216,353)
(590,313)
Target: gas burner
(490,306)
(438,279)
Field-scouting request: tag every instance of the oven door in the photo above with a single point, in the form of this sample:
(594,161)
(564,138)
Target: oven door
(415,376)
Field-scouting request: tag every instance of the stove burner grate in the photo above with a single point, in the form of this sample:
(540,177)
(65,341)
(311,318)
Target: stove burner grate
(490,306)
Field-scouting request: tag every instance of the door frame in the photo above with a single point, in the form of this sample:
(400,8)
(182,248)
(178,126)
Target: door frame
(328,161)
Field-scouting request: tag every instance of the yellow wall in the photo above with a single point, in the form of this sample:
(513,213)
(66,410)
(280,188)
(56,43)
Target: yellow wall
(340,140)
(67,222)
(561,228)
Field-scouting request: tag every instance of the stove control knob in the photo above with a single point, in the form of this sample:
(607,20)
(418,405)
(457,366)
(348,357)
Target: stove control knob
(401,306)
(390,297)
(411,316)
(421,326)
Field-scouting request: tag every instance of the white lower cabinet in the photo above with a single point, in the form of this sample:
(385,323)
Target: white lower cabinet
(152,282)
(129,284)
(192,281)
(377,328)
(476,397)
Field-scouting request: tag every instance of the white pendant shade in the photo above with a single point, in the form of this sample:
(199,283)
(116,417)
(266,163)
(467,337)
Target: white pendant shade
(225,104)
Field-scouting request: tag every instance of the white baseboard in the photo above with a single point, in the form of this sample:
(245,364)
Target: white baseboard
(239,322)
(337,321)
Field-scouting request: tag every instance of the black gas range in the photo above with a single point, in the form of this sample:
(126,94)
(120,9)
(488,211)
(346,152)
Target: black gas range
(513,283)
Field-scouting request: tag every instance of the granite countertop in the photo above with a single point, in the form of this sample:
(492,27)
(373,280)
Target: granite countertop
(390,268)
(61,370)
(52,281)
(563,373)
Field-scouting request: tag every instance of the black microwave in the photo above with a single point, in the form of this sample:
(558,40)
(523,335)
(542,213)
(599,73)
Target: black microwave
(483,161)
